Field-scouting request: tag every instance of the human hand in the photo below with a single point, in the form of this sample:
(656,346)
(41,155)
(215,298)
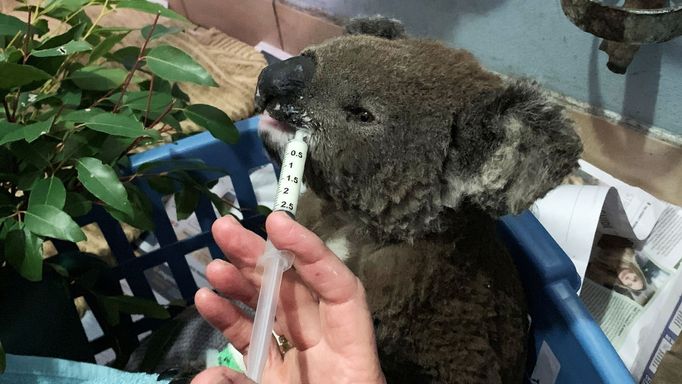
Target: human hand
(322,310)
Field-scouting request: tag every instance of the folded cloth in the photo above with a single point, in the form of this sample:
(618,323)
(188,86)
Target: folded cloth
(47,370)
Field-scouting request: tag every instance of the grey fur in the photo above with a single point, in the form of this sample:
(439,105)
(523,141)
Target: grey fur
(415,192)
(376,26)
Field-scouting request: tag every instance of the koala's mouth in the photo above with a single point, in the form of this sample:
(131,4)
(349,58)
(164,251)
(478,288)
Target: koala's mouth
(270,124)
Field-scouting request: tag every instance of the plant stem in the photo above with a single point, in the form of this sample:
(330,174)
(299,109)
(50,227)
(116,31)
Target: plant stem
(102,12)
(168,109)
(28,36)
(6,106)
(126,83)
(16,105)
(149,100)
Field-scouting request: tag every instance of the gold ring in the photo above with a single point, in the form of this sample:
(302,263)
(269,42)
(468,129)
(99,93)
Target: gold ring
(283,345)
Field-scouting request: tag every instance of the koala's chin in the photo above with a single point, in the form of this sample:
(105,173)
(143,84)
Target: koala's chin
(275,136)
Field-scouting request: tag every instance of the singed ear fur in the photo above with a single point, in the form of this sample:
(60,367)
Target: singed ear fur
(537,148)
(378,26)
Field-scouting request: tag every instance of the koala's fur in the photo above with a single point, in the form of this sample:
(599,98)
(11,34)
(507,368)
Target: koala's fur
(409,199)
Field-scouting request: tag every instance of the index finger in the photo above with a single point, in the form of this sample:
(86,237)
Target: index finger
(323,272)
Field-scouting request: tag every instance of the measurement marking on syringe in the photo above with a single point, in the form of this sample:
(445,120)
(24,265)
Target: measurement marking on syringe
(291,176)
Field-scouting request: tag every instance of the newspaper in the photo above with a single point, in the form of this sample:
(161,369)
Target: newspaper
(626,246)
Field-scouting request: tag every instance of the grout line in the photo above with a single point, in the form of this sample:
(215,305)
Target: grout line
(279,29)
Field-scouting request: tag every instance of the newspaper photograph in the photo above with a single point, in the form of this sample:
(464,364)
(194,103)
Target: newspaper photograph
(626,246)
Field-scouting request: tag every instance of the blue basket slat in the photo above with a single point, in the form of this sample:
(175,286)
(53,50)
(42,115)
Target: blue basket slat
(559,318)
(120,248)
(206,216)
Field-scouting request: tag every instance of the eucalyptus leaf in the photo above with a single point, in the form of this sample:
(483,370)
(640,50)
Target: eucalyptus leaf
(10,55)
(148,7)
(76,204)
(38,153)
(172,64)
(214,120)
(81,115)
(137,100)
(10,25)
(162,184)
(159,30)
(16,75)
(46,220)
(95,78)
(24,251)
(74,33)
(102,181)
(63,50)
(28,178)
(127,56)
(48,191)
(105,46)
(223,207)
(28,132)
(142,210)
(186,201)
(119,125)
(136,305)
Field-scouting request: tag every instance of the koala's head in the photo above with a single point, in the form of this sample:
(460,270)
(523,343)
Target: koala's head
(404,132)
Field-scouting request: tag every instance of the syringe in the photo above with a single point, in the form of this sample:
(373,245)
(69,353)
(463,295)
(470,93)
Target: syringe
(273,261)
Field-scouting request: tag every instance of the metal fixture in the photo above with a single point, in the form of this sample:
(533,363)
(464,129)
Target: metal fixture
(625,28)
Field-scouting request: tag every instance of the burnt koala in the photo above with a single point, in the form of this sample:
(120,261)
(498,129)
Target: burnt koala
(414,151)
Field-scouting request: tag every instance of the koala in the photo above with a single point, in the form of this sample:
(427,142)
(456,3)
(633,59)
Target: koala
(414,151)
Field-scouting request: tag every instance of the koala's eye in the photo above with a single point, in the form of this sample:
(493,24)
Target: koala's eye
(360,114)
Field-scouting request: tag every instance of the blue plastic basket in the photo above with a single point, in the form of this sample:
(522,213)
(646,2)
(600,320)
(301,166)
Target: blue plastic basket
(559,319)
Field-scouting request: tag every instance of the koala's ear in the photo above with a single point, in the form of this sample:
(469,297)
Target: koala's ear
(376,26)
(535,148)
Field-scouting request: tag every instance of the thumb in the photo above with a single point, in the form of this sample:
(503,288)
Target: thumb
(221,375)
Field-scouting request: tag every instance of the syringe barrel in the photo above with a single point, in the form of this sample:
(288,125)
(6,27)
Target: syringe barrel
(291,176)
(274,263)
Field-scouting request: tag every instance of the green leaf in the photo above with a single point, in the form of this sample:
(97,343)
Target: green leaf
(160,30)
(28,132)
(142,210)
(105,46)
(24,251)
(76,204)
(81,115)
(172,64)
(39,153)
(28,178)
(16,75)
(10,55)
(48,191)
(137,305)
(137,100)
(186,201)
(113,147)
(119,125)
(214,120)
(162,184)
(102,181)
(95,78)
(46,220)
(10,25)
(221,205)
(126,56)
(263,210)
(74,33)
(148,7)
(63,50)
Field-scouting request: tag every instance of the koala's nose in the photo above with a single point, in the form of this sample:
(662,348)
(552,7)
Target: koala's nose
(282,79)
